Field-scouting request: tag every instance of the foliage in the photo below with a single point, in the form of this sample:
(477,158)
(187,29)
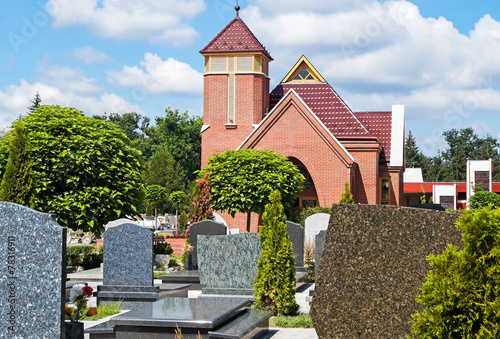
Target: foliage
(78,296)
(35,103)
(86,256)
(17,185)
(309,260)
(133,124)
(178,198)
(155,193)
(346,196)
(183,221)
(422,197)
(243,180)
(162,248)
(414,157)
(201,200)
(299,214)
(483,198)
(105,310)
(299,321)
(85,173)
(461,297)
(274,287)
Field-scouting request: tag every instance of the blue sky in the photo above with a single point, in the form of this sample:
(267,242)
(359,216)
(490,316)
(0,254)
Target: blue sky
(438,58)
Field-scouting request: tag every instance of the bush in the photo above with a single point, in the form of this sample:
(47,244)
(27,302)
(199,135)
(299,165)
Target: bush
(461,297)
(87,256)
(298,321)
(183,221)
(482,199)
(162,248)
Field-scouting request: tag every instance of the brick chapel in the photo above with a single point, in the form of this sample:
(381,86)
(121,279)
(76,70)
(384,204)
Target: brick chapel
(303,119)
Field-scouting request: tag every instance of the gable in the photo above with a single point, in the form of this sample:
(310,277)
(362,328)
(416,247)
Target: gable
(303,70)
(292,123)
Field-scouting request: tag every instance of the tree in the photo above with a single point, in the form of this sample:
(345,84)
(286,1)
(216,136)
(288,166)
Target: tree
(17,185)
(413,155)
(201,201)
(461,297)
(243,180)
(182,134)
(274,287)
(178,198)
(346,196)
(86,174)
(155,193)
(35,103)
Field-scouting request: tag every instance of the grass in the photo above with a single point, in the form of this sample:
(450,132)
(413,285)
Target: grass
(104,311)
(299,321)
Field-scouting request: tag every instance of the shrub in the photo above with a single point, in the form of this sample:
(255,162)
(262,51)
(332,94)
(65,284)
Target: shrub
(87,256)
(346,196)
(274,287)
(183,221)
(162,248)
(482,199)
(461,297)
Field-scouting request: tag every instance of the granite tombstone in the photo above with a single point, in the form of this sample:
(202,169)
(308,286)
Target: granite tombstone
(373,265)
(318,244)
(227,264)
(314,224)
(127,265)
(296,236)
(33,277)
(204,227)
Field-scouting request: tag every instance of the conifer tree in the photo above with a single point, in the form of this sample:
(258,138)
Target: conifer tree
(274,287)
(34,103)
(346,196)
(17,185)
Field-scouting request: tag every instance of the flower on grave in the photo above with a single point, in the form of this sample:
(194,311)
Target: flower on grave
(92,311)
(78,297)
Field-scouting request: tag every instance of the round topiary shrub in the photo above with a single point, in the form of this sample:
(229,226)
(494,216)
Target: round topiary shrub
(482,199)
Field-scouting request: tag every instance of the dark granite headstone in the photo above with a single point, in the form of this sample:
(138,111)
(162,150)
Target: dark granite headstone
(32,273)
(318,244)
(373,265)
(296,237)
(127,264)
(204,227)
(228,263)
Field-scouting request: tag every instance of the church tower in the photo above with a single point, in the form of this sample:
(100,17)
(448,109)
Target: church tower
(235,89)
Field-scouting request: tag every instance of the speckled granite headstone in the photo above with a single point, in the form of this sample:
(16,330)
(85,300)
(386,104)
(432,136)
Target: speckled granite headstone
(296,237)
(228,261)
(128,256)
(314,224)
(119,222)
(318,245)
(32,273)
(372,267)
(204,227)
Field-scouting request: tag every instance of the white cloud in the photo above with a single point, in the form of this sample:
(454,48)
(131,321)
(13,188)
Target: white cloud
(159,77)
(89,55)
(159,21)
(14,101)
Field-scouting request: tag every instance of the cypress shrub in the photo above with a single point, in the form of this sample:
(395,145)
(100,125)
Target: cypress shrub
(274,287)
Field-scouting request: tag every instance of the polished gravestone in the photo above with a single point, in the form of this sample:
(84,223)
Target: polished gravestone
(318,244)
(296,236)
(127,265)
(32,273)
(314,224)
(204,227)
(227,264)
(210,317)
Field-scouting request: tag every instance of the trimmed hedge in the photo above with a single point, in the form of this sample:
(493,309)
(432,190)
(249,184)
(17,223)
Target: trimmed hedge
(87,256)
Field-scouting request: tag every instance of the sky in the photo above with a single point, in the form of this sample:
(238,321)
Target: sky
(438,58)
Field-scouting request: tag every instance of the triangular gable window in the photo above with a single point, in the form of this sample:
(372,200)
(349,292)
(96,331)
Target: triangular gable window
(304,75)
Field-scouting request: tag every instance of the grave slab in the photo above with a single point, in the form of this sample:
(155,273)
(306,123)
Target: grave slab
(296,236)
(204,227)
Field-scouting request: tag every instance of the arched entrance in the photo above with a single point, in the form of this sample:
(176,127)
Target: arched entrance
(308,197)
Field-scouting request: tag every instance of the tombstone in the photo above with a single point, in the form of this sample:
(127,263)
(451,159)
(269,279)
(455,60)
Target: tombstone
(32,273)
(128,265)
(119,222)
(314,224)
(227,264)
(318,244)
(204,227)
(296,237)
(373,264)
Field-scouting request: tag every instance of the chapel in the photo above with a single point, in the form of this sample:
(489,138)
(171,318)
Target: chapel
(302,118)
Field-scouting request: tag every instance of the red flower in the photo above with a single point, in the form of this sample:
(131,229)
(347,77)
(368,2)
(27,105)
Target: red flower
(87,290)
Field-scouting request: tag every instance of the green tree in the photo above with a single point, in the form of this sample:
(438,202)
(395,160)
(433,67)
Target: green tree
(155,193)
(178,198)
(183,221)
(437,170)
(346,196)
(461,297)
(413,155)
(243,180)
(17,185)
(86,174)
(274,287)
(482,199)
(182,134)
(35,103)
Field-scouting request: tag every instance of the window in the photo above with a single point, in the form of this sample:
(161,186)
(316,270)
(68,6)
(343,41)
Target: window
(304,75)
(385,191)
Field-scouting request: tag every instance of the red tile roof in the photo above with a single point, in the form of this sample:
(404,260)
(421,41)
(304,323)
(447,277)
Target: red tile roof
(235,37)
(379,124)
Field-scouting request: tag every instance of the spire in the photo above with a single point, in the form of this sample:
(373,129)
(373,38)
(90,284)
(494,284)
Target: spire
(237,9)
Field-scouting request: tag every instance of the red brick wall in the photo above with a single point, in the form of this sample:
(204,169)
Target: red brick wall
(366,155)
